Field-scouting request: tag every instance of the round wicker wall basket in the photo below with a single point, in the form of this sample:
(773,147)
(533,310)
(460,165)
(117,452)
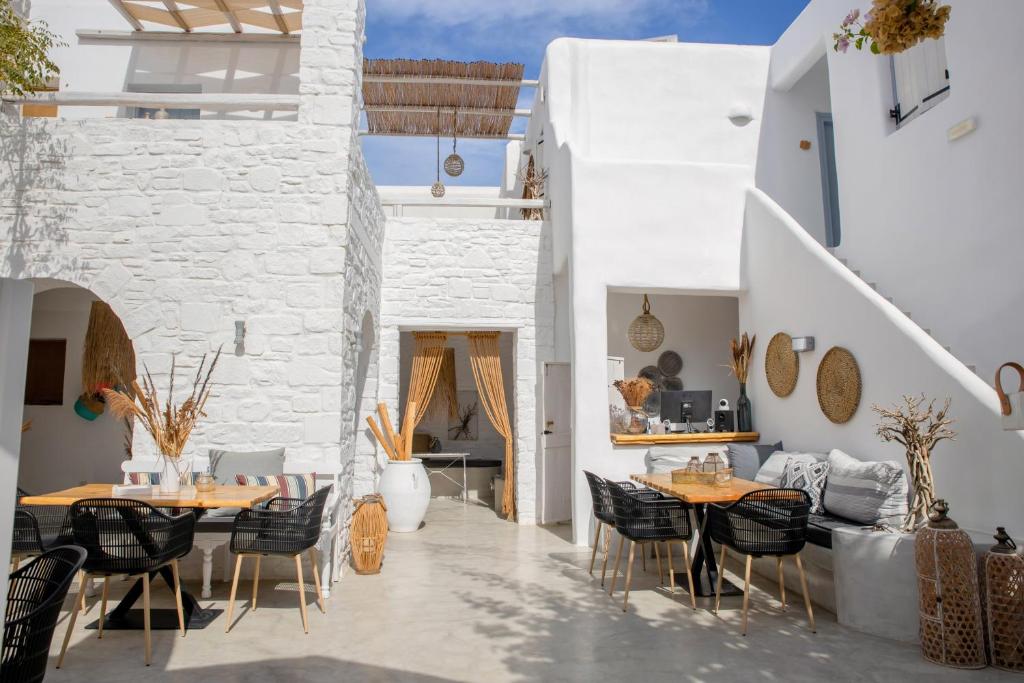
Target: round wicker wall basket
(781,365)
(369,533)
(838,385)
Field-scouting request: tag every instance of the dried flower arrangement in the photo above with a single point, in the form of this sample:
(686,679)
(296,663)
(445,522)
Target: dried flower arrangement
(918,429)
(168,424)
(741,350)
(892,26)
(634,391)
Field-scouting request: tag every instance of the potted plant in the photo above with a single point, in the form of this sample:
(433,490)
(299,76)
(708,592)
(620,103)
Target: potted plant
(404,483)
(635,392)
(170,425)
(739,363)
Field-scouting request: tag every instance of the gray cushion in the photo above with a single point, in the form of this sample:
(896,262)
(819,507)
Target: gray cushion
(746,458)
(224,465)
(866,492)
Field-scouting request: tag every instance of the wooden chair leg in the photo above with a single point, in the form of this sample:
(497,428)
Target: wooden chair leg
(643,560)
(807,594)
(103,606)
(234,590)
(177,596)
(671,569)
(607,551)
(629,572)
(746,591)
(718,584)
(81,593)
(145,618)
(302,593)
(782,584)
(689,575)
(71,627)
(256,581)
(316,581)
(657,556)
(593,553)
(618,559)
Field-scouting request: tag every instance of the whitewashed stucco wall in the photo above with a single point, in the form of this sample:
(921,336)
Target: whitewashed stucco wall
(184,227)
(480,274)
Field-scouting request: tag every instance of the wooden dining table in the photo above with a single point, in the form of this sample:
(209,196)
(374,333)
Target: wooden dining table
(699,496)
(123,616)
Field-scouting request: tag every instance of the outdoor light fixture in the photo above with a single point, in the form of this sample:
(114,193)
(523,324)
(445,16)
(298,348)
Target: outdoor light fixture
(646,332)
(801,344)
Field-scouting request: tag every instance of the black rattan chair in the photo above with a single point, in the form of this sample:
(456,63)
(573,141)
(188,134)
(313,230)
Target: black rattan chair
(765,523)
(130,537)
(35,594)
(643,518)
(285,527)
(38,528)
(605,516)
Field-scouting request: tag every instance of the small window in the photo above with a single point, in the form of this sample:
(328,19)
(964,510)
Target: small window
(149,113)
(920,79)
(44,379)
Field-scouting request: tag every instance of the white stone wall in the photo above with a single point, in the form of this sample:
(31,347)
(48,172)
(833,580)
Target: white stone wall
(184,227)
(471,275)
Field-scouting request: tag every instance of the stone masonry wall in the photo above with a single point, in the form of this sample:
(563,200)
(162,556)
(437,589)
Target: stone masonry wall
(471,274)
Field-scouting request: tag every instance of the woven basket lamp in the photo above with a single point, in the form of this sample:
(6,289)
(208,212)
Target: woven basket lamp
(369,533)
(646,333)
(1004,603)
(952,631)
(453,164)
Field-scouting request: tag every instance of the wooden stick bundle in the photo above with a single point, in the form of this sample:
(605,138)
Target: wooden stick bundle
(397,446)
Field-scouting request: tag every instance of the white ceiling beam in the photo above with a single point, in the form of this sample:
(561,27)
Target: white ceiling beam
(206,102)
(468,111)
(175,12)
(447,80)
(104,35)
(236,25)
(461,136)
(454,200)
(127,14)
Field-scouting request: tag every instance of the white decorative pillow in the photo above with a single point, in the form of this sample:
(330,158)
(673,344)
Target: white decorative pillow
(866,492)
(771,470)
(809,477)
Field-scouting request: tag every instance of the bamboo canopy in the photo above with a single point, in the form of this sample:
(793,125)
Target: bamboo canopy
(279,16)
(424,99)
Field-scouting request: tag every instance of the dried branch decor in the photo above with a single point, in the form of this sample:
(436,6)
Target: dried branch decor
(741,350)
(918,428)
(634,391)
(533,188)
(170,425)
(463,428)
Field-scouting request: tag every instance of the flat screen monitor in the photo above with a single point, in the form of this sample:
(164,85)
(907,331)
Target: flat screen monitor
(680,405)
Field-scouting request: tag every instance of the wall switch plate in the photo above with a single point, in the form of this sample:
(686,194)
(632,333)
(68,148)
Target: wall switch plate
(961,129)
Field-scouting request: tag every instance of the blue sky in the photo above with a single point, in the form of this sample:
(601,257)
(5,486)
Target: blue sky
(519,30)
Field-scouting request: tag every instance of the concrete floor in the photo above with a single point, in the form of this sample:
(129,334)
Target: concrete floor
(472,598)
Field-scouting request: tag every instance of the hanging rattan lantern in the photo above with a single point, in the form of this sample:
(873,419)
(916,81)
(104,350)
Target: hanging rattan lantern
(952,631)
(1004,603)
(646,332)
(454,165)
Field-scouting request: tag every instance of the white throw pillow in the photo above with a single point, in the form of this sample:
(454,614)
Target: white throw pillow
(771,470)
(866,492)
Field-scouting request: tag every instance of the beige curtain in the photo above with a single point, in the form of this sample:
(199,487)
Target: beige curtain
(446,393)
(485,359)
(426,366)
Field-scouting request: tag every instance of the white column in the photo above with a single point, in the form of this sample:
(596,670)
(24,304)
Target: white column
(15,325)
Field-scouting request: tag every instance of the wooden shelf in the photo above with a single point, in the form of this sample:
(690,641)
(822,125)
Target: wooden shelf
(654,439)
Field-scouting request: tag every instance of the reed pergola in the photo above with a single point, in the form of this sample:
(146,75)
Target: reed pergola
(429,97)
(280,16)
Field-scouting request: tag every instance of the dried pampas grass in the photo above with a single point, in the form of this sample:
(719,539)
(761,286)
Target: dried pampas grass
(169,425)
(741,350)
(634,391)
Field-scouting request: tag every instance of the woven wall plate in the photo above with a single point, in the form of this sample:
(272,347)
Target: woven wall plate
(838,385)
(672,384)
(670,363)
(781,365)
(652,373)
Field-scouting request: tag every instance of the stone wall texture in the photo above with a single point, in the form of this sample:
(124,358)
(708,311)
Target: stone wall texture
(471,274)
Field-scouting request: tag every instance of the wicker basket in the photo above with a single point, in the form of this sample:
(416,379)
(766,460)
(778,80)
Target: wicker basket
(952,632)
(1004,604)
(369,533)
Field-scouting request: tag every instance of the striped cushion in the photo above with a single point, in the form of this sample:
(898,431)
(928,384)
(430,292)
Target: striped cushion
(290,485)
(866,492)
(151,478)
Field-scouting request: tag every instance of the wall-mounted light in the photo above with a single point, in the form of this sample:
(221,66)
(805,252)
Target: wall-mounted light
(740,114)
(801,344)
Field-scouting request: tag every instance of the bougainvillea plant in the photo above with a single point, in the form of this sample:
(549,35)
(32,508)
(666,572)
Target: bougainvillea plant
(25,65)
(892,26)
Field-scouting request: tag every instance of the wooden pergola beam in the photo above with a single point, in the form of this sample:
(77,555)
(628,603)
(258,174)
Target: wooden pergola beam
(447,80)
(126,13)
(229,14)
(461,136)
(275,9)
(427,109)
(175,12)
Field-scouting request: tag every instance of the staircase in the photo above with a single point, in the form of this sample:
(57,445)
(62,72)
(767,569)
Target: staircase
(891,300)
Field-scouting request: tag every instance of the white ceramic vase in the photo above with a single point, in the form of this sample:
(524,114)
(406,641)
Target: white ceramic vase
(172,472)
(405,487)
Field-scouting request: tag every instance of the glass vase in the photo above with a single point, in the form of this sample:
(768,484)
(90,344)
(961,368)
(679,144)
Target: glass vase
(744,419)
(637,421)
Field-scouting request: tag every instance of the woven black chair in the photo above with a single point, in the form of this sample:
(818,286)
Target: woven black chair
(605,516)
(133,538)
(766,523)
(35,594)
(38,528)
(643,518)
(285,527)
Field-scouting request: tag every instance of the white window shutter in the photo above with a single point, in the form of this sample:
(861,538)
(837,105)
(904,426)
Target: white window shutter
(919,74)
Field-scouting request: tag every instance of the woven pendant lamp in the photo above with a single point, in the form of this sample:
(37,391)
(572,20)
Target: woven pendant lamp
(437,189)
(454,165)
(646,333)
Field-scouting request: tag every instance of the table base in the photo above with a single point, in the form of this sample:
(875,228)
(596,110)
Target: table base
(163,619)
(703,588)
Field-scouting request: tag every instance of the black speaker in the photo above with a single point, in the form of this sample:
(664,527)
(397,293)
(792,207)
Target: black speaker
(725,421)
